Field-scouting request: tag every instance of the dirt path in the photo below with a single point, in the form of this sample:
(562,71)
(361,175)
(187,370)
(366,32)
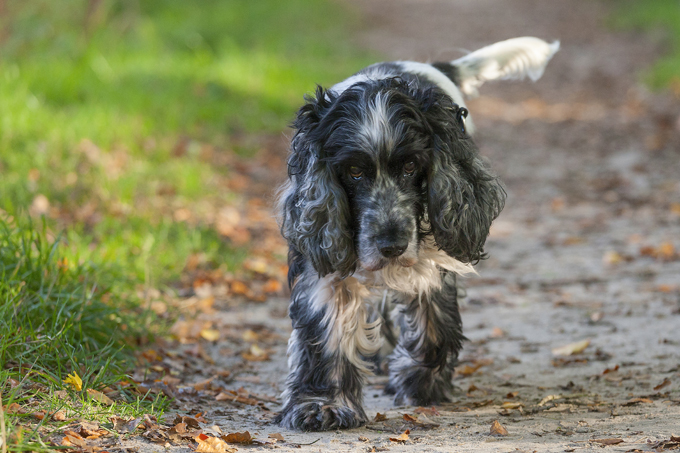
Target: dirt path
(587,248)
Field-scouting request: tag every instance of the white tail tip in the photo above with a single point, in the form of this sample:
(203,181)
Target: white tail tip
(513,59)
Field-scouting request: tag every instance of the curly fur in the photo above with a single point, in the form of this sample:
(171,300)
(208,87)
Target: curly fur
(387,201)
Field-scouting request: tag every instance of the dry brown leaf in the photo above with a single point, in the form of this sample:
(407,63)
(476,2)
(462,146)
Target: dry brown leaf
(210,334)
(72,439)
(59,416)
(497,429)
(258,265)
(511,405)
(409,418)
(231,396)
(379,417)
(238,438)
(99,397)
(612,258)
(402,438)
(255,354)
(634,401)
(497,332)
(611,370)
(467,370)
(663,384)
(276,436)
(238,287)
(431,411)
(572,348)
(209,444)
(272,286)
(613,441)
(250,336)
(203,384)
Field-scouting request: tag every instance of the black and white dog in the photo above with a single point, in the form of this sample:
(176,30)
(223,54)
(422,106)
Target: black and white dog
(387,202)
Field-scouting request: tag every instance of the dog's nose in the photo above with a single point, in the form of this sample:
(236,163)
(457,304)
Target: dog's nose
(391,249)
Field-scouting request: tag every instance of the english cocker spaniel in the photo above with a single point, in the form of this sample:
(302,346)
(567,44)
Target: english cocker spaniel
(387,202)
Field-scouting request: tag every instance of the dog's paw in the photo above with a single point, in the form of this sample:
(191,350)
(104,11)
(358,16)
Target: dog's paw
(317,416)
(420,387)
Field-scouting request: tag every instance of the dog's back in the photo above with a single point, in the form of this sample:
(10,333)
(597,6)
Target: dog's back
(513,59)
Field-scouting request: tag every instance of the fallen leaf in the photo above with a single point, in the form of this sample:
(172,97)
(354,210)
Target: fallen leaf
(210,334)
(431,411)
(380,417)
(276,436)
(238,438)
(633,401)
(73,439)
(511,405)
(208,444)
(607,441)
(611,370)
(238,287)
(572,348)
(663,384)
(612,258)
(402,438)
(59,416)
(250,336)
(203,384)
(99,397)
(409,418)
(255,354)
(123,426)
(272,286)
(497,332)
(74,381)
(497,429)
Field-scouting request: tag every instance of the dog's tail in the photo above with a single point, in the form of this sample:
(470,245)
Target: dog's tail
(513,59)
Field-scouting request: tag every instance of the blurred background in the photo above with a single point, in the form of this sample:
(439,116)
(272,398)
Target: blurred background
(141,142)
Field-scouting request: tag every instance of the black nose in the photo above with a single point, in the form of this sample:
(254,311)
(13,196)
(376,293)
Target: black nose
(391,248)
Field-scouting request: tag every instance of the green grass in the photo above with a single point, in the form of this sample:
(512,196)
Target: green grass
(57,318)
(96,101)
(655,14)
(116,115)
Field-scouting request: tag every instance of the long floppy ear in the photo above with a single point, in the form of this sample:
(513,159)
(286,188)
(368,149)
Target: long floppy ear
(314,207)
(463,197)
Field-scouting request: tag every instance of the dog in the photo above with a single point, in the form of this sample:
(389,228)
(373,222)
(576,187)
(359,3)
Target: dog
(387,202)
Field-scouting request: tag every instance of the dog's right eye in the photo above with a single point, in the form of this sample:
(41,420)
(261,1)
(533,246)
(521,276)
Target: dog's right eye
(356,173)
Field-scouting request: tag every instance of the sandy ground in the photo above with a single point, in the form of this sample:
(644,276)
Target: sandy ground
(586,249)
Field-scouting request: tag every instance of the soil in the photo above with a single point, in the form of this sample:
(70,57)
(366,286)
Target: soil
(587,248)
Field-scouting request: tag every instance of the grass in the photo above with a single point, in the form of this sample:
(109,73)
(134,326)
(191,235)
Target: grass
(57,318)
(115,117)
(99,96)
(650,15)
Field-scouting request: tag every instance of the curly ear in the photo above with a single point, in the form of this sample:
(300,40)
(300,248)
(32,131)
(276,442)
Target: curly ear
(463,196)
(314,207)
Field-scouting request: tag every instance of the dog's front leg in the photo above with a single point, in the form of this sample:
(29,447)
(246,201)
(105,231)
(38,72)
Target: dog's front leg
(421,365)
(330,336)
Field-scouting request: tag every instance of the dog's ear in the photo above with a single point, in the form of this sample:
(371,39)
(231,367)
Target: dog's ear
(463,197)
(315,210)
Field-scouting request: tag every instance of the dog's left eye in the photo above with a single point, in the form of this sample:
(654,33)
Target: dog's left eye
(409,168)
(356,173)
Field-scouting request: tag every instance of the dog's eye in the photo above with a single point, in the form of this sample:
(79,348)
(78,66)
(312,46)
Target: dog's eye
(356,173)
(409,168)
(462,114)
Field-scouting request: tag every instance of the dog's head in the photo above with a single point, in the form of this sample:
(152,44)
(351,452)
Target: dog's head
(376,169)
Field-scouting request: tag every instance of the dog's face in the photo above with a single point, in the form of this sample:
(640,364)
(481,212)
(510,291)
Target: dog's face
(378,168)
(380,156)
